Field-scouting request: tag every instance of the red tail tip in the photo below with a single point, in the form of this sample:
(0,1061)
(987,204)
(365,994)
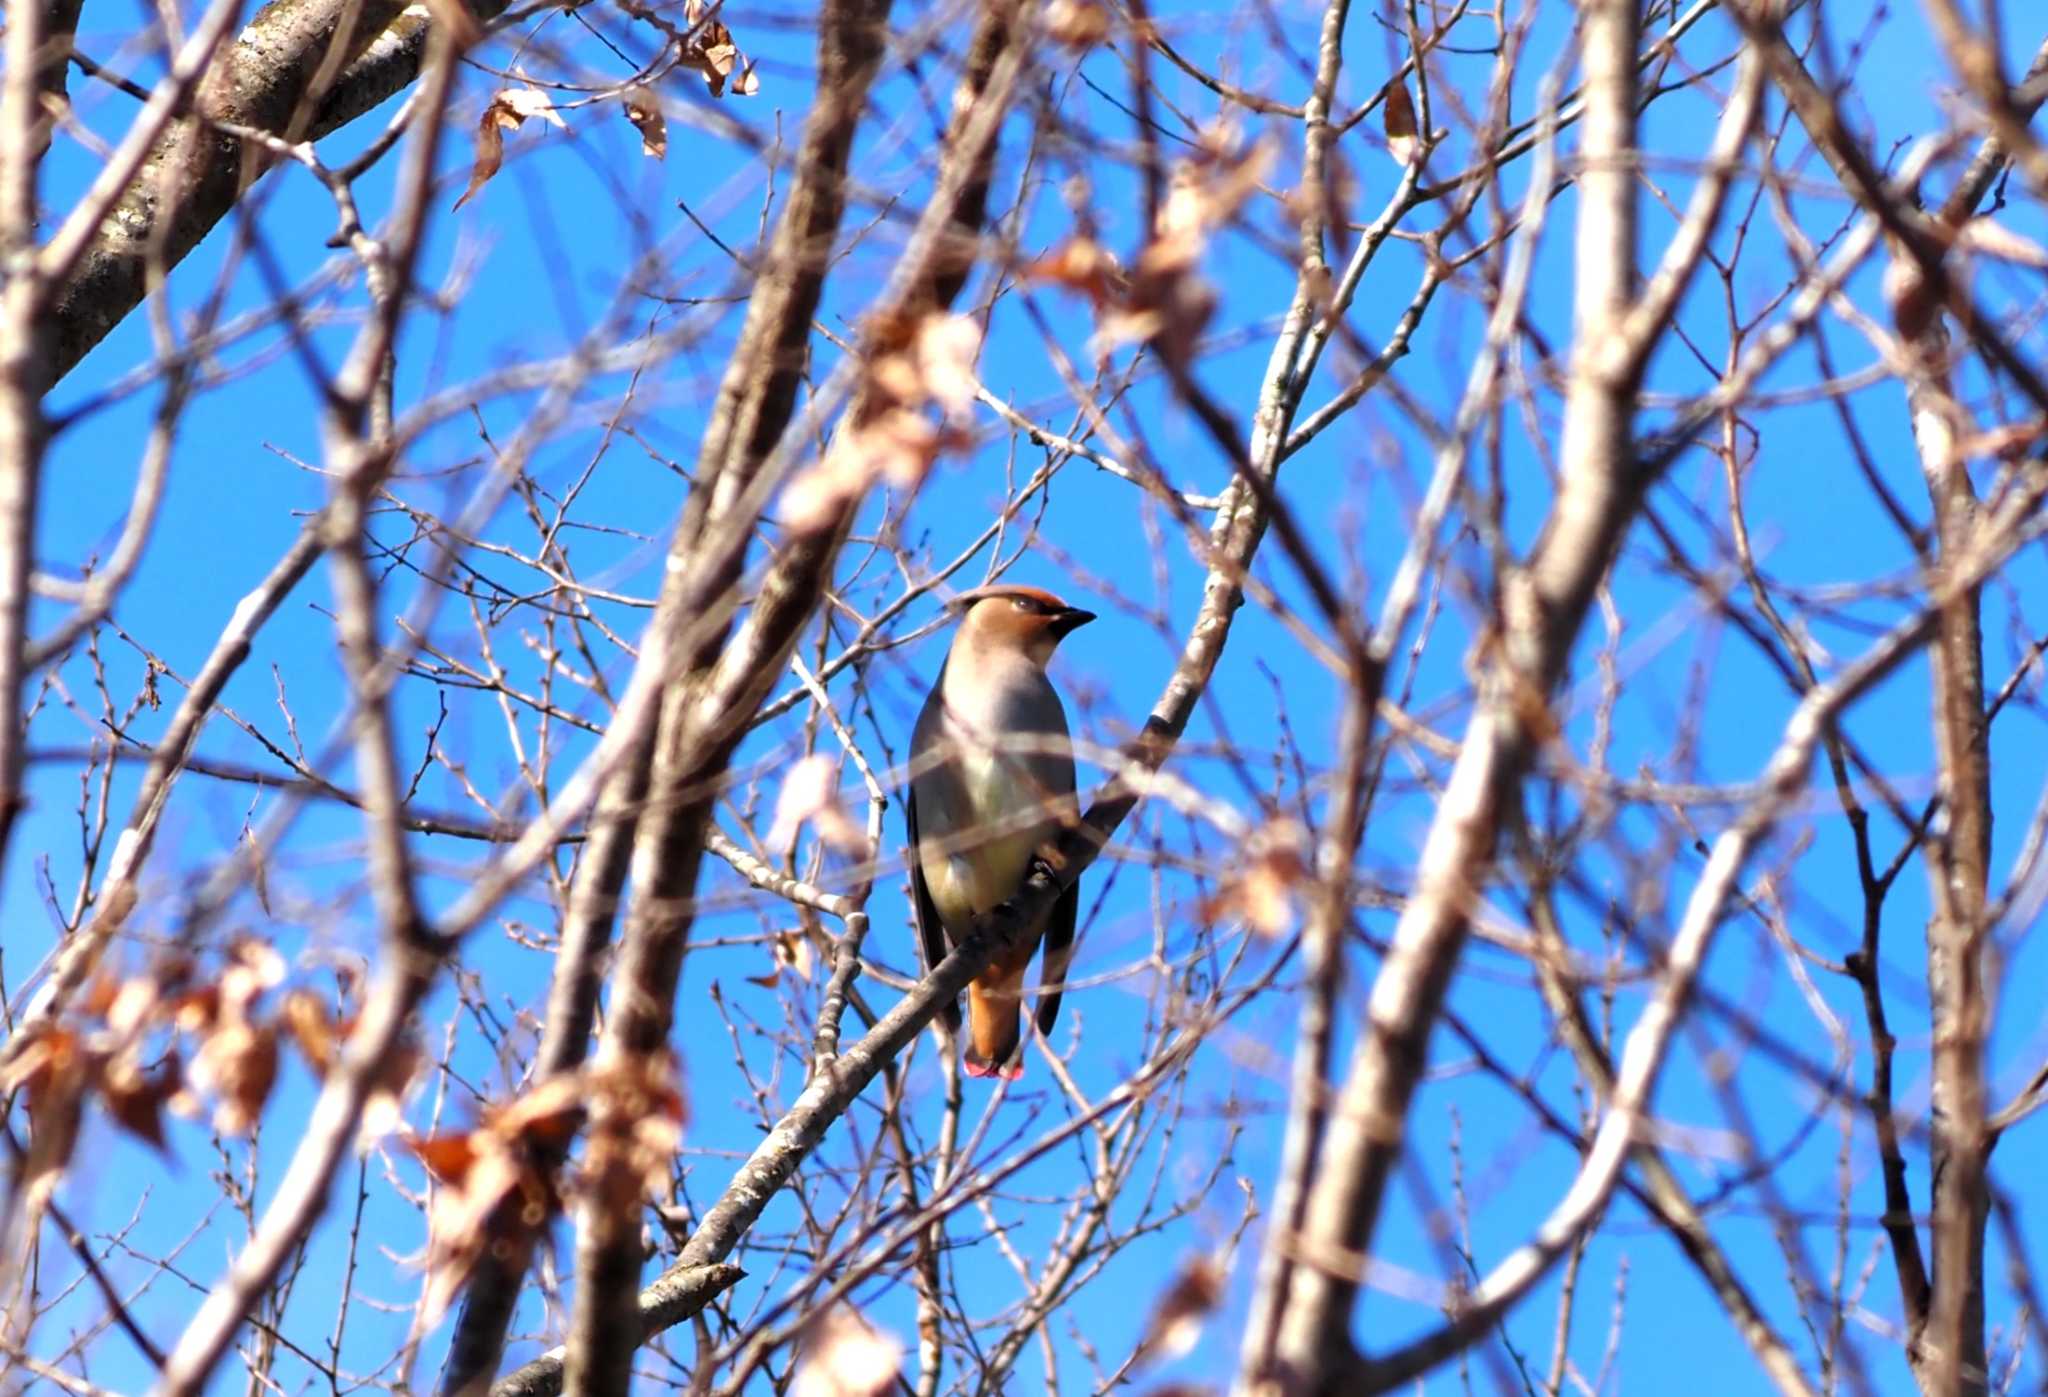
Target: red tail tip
(977,1066)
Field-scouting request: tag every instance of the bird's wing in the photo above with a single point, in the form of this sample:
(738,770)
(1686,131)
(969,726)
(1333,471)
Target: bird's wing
(1059,954)
(931,936)
(1058,775)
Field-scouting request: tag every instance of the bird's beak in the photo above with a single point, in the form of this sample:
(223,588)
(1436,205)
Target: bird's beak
(1070,619)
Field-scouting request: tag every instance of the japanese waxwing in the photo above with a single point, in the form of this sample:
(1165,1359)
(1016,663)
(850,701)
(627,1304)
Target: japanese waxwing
(991,791)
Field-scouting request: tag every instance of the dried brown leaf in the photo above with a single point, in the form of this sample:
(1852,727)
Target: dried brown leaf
(448,1157)
(1207,190)
(793,950)
(845,1356)
(495,1196)
(1077,24)
(311,1027)
(1398,112)
(888,331)
(490,155)
(320,1037)
(636,1127)
(134,1005)
(1262,892)
(816,495)
(498,1205)
(643,109)
(944,352)
(810,795)
(237,1063)
(895,376)
(896,445)
(1080,264)
(507,110)
(1340,195)
(1183,215)
(55,1069)
(99,995)
(714,55)
(515,104)
(384,1102)
(136,1099)
(253,967)
(548,1113)
(1169,304)
(1166,302)
(195,1010)
(1177,1318)
(905,446)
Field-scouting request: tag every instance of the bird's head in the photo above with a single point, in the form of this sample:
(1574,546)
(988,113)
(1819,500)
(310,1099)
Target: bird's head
(1029,621)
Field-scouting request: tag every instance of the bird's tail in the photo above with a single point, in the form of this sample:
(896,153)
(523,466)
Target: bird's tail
(995,1029)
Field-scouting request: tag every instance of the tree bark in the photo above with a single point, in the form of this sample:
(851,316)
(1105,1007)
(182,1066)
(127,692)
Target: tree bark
(300,70)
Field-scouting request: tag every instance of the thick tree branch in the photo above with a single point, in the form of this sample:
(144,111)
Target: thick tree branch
(302,69)
(24,375)
(1543,605)
(1627,1112)
(755,403)
(1945,1302)
(411,952)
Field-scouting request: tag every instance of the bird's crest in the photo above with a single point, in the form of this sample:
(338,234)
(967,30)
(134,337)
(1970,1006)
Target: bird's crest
(1006,589)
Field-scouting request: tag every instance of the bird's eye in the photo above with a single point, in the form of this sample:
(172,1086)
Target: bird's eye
(1021,603)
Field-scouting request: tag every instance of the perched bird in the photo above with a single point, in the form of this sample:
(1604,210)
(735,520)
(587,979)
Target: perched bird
(991,790)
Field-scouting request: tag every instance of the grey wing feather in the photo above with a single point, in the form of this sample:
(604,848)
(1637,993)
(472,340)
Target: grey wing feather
(1059,954)
(931,936)
(1059,922)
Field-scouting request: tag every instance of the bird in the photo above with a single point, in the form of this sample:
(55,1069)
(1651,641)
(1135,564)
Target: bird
(991,791)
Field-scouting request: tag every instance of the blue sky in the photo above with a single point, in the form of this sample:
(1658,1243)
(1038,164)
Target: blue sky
(539,257)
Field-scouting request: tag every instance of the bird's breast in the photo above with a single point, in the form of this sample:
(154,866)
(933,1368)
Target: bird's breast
(1004,812)
(967,884)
